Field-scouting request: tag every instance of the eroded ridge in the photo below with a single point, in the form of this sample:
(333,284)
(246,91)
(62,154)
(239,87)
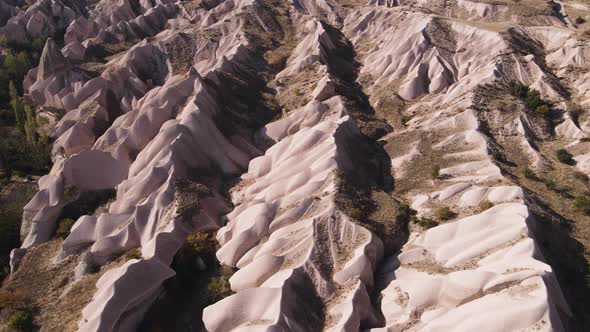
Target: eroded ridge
(366,165)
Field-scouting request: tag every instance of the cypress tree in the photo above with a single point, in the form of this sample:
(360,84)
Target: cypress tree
(16,101)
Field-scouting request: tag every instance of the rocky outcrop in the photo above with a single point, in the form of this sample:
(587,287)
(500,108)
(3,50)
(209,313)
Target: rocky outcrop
(365,165)
(287,229)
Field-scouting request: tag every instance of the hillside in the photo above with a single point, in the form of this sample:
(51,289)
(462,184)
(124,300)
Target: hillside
(305,165)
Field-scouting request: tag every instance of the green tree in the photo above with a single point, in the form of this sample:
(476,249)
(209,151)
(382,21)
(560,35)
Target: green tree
(565,157)
(16,65)
(20,321)
(30,126)
(16,101)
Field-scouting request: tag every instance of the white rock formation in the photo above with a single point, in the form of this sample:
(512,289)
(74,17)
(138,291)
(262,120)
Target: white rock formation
(157,93)
(287,230)
(477,272)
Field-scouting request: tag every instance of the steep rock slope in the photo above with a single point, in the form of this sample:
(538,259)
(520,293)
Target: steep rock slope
(365,165)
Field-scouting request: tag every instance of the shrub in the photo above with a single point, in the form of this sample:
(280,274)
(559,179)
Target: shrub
(219,288)
(582,204)
(70,191)
(551,184)
(528,173)
(191,5)
(435,171)
(585,139)
(93,267)
(355,213)
(543,111)
(485,205)
(202,243)
(12,299)
(134,253)
(425,223)
(406,119)
(20,321)
(444,213)
(518,89)
(64,227)
(531,98)
(38,44)
(405,212)
(565,157)
(580,20)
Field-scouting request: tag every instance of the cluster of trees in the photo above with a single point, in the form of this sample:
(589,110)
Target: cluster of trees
(22,148)
(19,57)
(531,98)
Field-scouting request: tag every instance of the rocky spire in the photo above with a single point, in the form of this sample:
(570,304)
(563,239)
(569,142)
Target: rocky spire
(52,60)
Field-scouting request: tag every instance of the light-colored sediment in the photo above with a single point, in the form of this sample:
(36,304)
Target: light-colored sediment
(155,93)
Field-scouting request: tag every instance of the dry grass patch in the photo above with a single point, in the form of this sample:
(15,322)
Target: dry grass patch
(51,293)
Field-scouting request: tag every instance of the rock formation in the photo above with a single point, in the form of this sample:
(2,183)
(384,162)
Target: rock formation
(366,165)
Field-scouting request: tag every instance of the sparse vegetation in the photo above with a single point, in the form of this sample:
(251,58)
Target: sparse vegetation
(528,173)
(70,191)
(542,110)
(565,157)
(12,300)
(444,213)
(188,197)
(199,281)
(580,20)
(355,202)
(202,243)
(423,222)
(219,288)
(582,204)
(551,184)
(64,227)
(134,253)
(435,171)
(406,212)
(85,202)
(20,321)
(198,246)
(355,213)
(192,5)
(406,119)
(485,205)
(93,268)
(585,139)
(531,98)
